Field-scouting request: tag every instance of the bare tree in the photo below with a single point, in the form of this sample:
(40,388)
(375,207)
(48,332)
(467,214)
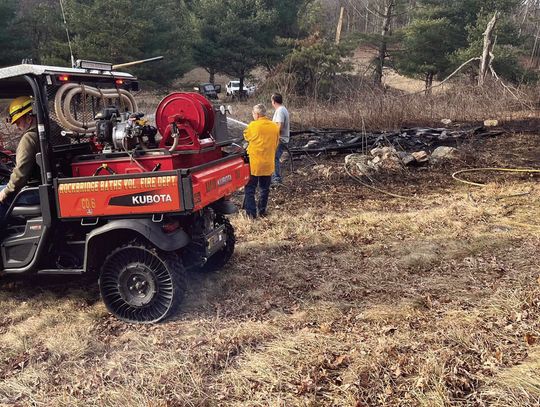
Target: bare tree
(383,47)
(488,48)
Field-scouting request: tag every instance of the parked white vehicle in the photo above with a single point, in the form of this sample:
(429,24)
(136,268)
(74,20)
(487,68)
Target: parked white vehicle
(233,88)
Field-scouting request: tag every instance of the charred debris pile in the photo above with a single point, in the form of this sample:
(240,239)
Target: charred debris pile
(410,140)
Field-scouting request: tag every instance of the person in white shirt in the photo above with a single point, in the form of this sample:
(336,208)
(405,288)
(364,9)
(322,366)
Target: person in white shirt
(281,117)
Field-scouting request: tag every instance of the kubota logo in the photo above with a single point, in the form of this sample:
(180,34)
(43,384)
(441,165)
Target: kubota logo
(150,199)
(141,199)
(224,180)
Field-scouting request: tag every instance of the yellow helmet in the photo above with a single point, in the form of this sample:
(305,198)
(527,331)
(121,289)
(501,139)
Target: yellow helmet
(19,107)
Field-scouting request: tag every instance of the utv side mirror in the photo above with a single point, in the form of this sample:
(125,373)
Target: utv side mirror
(217,88)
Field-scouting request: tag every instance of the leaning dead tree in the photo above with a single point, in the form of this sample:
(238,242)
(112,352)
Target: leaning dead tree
(489,42)
(486,60)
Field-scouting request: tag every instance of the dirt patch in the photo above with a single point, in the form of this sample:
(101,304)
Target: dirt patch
(200,75)
(362,62)
(342,296)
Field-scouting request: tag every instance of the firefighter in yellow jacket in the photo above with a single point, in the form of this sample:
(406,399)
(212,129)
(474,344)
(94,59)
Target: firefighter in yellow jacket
(20,113)
(263,137)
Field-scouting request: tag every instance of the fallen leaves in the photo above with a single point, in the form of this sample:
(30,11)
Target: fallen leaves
(314,310)
(530,339)
(340,361)
(19,362)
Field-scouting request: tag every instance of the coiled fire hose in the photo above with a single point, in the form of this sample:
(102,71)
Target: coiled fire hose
(66,93)
(454,176)
(515,170)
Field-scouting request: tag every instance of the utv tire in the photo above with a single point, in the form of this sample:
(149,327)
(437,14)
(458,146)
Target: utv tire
(221,258)
(141,284)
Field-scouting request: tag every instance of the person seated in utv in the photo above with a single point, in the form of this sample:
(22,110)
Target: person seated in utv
(20,115)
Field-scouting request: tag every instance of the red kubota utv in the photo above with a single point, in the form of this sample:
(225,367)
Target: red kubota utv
(135,203)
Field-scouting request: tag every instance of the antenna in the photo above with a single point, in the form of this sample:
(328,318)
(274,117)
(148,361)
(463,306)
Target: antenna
(142,61)
(67,34)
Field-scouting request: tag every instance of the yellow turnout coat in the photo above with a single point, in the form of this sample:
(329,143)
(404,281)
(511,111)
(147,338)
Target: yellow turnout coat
(263,138)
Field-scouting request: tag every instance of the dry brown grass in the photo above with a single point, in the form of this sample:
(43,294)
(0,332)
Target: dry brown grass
(394,80)
(370,109)
(199,75)
(389,111)
(341,297)
(519,385)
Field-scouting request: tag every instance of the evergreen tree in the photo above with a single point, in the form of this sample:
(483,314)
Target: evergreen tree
(235,36)
(444,34)
(206,52)
(314,63)
(32,29)
(171,34)
(121,31)
(507,51)
(288,12)
(10,53)
(427,45)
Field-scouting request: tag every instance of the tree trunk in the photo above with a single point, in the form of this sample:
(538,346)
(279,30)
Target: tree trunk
(379,62)
(366,26)
(525,15)
(241,88)
(412,5)
(488,48)
(534,58)
(212,77)
(429,82)
(339,25)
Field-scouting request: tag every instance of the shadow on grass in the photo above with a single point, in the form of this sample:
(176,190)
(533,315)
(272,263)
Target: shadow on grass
(62,287)
(286,276)
(273,278)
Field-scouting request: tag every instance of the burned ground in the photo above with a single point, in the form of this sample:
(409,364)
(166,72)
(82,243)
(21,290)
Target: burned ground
(341,297)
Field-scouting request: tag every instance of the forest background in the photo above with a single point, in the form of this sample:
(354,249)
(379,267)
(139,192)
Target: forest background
(293,40)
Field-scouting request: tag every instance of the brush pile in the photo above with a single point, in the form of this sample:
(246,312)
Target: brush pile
(346,141)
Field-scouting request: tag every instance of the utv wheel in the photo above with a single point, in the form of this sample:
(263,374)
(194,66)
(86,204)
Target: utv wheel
(221,258)
(140,284)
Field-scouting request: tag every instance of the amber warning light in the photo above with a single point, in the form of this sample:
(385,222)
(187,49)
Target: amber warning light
(63,78)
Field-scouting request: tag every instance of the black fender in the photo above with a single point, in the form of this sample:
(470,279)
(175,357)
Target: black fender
(103,237)
(224,207)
